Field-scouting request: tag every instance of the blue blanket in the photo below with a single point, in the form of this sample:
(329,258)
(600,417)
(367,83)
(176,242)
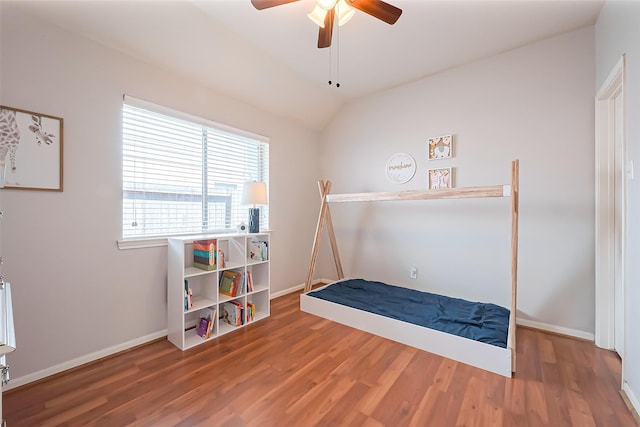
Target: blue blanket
(488,323)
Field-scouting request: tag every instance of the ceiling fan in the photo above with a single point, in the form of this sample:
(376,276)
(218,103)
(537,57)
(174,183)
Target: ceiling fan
(325,11)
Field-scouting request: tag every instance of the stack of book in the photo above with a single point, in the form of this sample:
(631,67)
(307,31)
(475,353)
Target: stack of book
(204,254)
(231,283)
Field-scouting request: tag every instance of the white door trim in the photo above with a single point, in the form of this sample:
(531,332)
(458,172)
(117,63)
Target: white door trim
(605,156)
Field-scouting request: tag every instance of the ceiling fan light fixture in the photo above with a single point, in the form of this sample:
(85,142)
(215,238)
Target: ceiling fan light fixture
(317,16)
(345,12)
(326,4)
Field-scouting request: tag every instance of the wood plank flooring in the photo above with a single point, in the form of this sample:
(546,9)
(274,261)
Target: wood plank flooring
(295,369)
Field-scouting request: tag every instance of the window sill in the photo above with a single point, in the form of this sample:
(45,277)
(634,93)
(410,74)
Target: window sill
(125,244)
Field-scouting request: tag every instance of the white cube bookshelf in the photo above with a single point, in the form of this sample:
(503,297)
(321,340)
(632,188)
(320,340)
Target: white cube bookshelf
(237,249)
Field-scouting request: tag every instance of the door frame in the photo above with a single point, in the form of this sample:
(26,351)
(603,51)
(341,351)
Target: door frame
(605,214)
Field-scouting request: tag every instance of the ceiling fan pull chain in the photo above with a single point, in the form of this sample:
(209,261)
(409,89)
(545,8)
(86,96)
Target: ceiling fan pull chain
(338,57)
(330,68)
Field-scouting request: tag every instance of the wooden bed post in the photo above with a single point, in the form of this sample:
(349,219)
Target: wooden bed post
(324,191)
(515,192)
(316,239)
(325,216)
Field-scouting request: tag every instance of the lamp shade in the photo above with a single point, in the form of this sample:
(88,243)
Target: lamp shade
(254,193)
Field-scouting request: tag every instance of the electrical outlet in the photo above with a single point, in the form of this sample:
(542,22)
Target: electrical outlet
(413,273)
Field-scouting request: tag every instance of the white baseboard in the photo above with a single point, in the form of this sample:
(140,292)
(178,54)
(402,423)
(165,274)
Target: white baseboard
(17,382)
(287,291)
(631,397)
(298,288)
(556,329)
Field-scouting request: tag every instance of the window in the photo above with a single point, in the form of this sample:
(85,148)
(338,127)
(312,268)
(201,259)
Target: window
(182,174)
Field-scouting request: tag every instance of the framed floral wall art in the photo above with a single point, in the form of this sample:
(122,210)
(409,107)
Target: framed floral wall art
(441,147)
(440,178)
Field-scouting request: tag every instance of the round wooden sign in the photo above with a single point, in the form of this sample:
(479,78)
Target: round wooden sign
(400,168)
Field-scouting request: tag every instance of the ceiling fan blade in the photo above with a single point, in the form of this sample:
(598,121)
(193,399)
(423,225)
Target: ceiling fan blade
(378,9)
(324,35)
(265,4)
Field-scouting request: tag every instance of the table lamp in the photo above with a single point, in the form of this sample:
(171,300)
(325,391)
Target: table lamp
(254,193)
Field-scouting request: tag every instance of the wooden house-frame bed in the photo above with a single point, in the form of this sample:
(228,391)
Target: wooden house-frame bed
(475,353)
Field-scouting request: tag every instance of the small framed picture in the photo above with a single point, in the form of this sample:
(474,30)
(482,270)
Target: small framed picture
(440,178)
(441,147)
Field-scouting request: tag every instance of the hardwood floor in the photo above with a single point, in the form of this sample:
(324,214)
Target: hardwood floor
(295,369)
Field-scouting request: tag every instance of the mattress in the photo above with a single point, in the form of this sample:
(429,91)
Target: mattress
(484,322)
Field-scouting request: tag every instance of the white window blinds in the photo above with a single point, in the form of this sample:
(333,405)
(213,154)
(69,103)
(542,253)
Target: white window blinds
(182,174)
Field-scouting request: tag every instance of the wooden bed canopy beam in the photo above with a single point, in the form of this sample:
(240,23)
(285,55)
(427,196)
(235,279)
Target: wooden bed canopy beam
(449,193)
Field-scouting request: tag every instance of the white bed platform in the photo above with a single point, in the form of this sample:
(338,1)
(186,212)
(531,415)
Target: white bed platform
(475,353)
(495,359)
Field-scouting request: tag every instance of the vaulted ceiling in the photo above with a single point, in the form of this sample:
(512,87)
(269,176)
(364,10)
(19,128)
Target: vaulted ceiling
(269,58)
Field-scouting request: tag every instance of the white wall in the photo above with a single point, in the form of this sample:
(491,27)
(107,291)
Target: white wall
(74,292)
(534,104)
(618,32)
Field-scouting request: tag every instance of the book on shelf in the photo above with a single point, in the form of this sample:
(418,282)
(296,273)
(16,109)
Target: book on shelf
(239,283)
(205,253)
(221,262)
(265,250)
(251,311)
(203,266)
(209,314)
(226,283)
(231,283)
(258,250)
(188,296)
(203,327)
(249,281)
(242,309)
(210,326)
(232,313)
